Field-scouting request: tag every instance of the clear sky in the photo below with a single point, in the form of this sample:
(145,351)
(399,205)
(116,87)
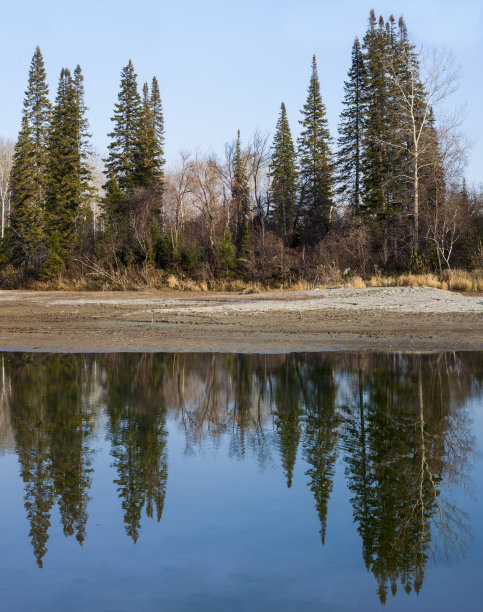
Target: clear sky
(224,65)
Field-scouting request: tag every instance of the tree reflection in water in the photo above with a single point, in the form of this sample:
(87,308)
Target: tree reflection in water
(398,421)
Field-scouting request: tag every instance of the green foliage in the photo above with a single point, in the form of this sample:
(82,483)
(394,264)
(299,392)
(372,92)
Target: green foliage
(190,258)
(150,149)
(315,162)
(28,184)
(241,200)
(226,253)
(123,149)
(351,131)
(68,174)
(25,236)
(284,177)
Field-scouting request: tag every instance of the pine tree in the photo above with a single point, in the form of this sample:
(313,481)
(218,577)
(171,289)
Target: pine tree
(351,131)
(315,160)
(29,171)
(382,153)
(150,154)
(37,109)
(123,150)
(375,134)
(83,135)
(226,253)
(158,159)
(68,173)
(284,177)
(26,233)
(241,199)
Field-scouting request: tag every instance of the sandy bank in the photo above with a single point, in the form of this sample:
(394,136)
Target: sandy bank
(393,318)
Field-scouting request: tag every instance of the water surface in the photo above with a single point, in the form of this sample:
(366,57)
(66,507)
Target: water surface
(326,481)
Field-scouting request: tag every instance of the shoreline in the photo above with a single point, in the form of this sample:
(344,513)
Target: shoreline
(388,319)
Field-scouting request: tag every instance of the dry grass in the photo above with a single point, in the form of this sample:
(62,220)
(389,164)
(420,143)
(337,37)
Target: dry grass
(156,280)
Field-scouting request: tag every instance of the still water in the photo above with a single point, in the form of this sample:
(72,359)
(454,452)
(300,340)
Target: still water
(329,481)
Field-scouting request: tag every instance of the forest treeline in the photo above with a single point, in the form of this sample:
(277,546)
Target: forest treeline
(386,195)
(288,411)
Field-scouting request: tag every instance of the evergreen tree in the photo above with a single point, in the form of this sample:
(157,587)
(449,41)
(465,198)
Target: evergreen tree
(226,252)
(29,171)
(83,135)
(26,234)
(284,176)
(241,199)
(150,151)
(37,109)
(123,149)
(68,173)
(382,157)
(158,161)
(146,139)
(315,160)
(375,133)
(351,131)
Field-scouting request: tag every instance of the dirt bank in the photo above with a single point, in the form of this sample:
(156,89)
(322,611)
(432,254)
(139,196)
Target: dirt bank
(383,318)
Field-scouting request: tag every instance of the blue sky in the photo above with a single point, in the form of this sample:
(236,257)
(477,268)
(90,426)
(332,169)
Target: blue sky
(224,65)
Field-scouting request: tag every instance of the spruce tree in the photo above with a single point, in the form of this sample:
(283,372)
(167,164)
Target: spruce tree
(284,177)
(382,151)
(241,199)
(68,173)
(122,161)
(37,109)
(226,253)
(83,135)
(158,159)
(315,161)
(25,236)
(29,171)
(150,153)
(375,163)
(349,156)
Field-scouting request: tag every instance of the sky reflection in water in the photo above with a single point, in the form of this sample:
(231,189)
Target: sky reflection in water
(239,482)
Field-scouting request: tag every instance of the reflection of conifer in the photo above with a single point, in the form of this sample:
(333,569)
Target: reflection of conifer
(139,437)
(320,443)
(139,450)
(287,415)
(39,494)
(355,442)
(242,391)
(51,433)
(70,432)
(394,444)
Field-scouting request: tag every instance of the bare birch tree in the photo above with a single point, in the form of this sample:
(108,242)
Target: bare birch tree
(6,157)
(418,99)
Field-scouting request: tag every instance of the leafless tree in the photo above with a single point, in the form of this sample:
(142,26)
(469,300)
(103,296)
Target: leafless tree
(207,194)
(179,187)
(98,180)
(6,158)
(419,96)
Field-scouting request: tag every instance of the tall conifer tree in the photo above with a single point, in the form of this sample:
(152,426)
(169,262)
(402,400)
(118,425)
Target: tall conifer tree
(284,175)
(241,198)
(26,231)
(83,134)
(315,160)
(150,151)
(37,109)
(68,173)
(29,170)
(123,149)
(158,160)
(349,156)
